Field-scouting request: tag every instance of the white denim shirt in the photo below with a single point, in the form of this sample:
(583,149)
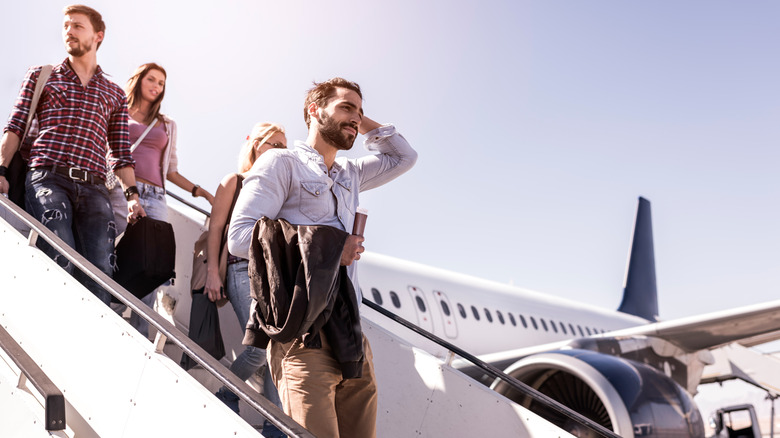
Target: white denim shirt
(294,184)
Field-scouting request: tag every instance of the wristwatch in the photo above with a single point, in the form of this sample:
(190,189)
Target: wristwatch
(3,171)
(130,191)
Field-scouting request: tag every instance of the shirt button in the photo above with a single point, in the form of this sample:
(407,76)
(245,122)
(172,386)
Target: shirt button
(317,192)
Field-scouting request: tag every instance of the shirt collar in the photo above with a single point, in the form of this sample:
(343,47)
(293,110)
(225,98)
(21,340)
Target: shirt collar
(65,67)
(309,152)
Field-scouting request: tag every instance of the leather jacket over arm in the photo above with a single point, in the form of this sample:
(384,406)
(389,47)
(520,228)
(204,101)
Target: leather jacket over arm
(300,289)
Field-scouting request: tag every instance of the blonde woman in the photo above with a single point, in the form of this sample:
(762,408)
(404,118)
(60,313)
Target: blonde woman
(155,158)
(264,136)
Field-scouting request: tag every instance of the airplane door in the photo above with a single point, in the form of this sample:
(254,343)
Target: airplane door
(422,308)
(447,314)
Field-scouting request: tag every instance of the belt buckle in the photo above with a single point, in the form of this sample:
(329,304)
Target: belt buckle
(83,176)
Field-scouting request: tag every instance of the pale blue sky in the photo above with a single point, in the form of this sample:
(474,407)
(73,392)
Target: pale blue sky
(538,124)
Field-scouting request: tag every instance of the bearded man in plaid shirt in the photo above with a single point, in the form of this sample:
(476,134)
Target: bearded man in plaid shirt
(81,115)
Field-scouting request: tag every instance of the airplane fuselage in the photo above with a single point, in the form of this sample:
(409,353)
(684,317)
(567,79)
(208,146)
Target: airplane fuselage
(480,316)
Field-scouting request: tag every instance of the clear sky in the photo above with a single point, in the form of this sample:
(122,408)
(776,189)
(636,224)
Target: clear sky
(538,124)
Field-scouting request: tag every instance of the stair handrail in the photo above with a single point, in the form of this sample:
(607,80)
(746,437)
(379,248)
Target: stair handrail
(53,400)
(258,402)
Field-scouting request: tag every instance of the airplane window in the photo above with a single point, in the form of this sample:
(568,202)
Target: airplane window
(420,304)
(445,308)
(522,320)
(533,322)
(474,311)
(571,327)
(462,311)
(544,324)
(552,324)
(500,317)
(377,296)
(395,300)
(488,315)
(587,329)
(512,319)
(563,328)
(580,329)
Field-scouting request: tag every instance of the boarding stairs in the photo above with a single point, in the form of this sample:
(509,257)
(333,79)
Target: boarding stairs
(72,367)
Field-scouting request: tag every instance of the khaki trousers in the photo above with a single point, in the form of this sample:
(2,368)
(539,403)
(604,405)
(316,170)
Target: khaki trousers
(314,394)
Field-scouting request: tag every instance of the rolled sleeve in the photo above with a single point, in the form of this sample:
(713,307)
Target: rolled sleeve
(17,122)
(173,162)
(395,157)
(119,137)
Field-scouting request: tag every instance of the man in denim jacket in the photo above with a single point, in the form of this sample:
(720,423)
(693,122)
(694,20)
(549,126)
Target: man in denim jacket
(308,185)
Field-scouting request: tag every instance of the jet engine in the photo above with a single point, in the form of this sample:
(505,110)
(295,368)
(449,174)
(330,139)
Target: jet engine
(630,398)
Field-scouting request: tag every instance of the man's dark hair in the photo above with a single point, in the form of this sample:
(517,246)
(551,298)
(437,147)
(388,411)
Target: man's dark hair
(94,17)
(322,92)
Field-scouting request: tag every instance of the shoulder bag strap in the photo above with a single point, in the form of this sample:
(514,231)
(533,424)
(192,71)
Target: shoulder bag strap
(137,142)
(43,77)
(239,183)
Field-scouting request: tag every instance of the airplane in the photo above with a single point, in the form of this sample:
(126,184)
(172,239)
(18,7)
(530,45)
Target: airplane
(626,369)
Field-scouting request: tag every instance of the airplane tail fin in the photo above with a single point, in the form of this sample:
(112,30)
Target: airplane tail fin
(640,295)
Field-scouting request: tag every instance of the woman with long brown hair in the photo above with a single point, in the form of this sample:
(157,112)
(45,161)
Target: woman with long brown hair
(153,136)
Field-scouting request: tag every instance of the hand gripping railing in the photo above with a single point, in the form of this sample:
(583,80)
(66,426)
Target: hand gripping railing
(559,410)
(165,328)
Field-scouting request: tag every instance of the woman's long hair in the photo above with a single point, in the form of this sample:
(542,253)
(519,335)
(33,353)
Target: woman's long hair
(133,90)
(261,132)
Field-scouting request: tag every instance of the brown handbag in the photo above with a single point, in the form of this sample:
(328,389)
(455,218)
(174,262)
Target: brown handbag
(200,254)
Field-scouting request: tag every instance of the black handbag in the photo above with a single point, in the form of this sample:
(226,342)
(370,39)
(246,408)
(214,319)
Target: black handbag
(145,256)
(17,172)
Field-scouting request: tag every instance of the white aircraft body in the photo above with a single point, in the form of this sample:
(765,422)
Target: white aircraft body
(623,368)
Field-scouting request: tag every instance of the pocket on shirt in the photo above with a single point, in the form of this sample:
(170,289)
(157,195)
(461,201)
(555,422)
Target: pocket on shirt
(314,201)
(56,96)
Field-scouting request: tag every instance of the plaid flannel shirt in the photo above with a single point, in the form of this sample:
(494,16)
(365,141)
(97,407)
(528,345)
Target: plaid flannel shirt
(76,123)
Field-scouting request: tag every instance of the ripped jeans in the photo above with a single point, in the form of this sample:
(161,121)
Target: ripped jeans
(78,213)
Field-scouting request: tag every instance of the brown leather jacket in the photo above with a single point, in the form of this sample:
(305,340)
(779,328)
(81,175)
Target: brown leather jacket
(300,289)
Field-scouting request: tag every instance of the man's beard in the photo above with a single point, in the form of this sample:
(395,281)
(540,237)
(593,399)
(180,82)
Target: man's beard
(331,131)
(77,50)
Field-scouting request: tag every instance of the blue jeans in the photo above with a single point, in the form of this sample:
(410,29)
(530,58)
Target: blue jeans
(152,200)
(80,214)
(252,358)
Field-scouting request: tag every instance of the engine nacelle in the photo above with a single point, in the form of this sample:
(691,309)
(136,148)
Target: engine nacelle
(627,397)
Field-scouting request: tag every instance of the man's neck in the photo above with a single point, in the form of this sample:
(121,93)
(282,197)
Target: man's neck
(327,150)
(84,66)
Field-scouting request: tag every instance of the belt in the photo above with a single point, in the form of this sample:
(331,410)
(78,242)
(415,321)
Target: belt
(231,259)
(74,173)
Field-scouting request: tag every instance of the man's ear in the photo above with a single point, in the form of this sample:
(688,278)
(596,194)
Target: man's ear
(312,109)
(99,36)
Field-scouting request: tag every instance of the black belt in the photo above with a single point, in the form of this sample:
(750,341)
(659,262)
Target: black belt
(74,173)
(231,259)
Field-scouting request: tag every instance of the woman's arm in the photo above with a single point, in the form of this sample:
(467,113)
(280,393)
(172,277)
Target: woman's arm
(184,183)
(217,223)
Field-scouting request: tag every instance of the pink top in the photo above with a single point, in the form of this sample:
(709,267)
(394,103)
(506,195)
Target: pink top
(149,154)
